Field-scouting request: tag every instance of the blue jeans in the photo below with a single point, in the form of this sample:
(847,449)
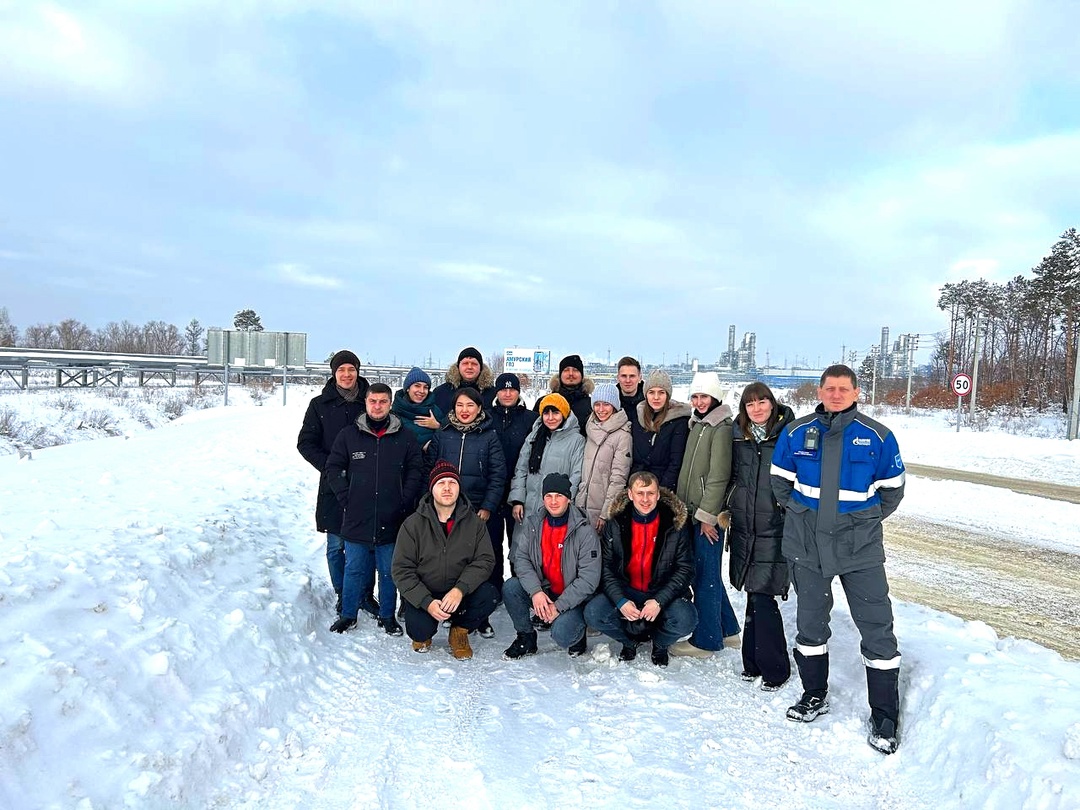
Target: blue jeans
(674,621)
(335,560)
(361,561)
(567,628)
(716,619)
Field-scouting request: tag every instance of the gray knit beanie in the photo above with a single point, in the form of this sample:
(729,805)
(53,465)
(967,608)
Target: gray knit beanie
(658,378)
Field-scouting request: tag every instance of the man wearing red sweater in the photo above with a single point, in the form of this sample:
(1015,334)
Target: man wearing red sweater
(556,558)
(648,565)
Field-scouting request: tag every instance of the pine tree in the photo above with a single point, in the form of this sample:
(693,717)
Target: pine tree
(246,320)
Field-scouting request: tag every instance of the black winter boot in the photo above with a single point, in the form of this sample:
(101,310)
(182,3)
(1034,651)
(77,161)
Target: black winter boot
(883,695)
(814,673)
(342,624)
(524,644)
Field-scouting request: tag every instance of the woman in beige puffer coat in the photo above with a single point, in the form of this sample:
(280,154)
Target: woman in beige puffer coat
(608,452)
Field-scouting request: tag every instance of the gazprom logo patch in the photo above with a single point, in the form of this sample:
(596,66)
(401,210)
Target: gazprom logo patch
(859,441)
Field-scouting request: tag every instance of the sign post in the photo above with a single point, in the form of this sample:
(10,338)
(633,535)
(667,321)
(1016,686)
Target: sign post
(961,386)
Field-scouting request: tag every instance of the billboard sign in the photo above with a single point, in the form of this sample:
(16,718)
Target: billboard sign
(527,361)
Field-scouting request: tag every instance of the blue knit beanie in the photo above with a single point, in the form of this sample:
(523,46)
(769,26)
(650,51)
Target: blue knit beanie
(416,375)
(606,392)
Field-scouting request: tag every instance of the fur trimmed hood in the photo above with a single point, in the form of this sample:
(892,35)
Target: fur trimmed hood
(485,381)
(587,384)
(667,500)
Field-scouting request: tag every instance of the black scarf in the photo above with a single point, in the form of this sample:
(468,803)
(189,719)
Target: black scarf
(536,454)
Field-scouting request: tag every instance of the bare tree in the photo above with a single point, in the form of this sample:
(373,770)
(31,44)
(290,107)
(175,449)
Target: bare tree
(9,333)
(74,334)
(41,336)
(497,363)
(162,338)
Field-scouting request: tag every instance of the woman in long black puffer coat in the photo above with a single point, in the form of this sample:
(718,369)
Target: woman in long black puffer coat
(757,565)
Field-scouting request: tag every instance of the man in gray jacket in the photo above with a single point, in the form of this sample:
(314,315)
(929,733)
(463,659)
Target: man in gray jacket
(557,563)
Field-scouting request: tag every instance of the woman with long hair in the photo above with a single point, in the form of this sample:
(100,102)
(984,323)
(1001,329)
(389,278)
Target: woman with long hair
(703,482)
(756,532)
(660,431)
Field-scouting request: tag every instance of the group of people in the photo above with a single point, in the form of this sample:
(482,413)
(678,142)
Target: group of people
(615,502)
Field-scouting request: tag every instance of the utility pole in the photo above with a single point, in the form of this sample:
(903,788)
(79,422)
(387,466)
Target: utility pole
(913,344)
(1074,412)
(873,374)
(975,367)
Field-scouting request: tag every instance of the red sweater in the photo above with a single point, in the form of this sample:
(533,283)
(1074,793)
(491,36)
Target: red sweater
(552,539)
(642,547)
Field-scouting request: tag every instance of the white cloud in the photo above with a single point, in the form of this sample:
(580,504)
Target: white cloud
(302,276)
(46,45)
(489,277)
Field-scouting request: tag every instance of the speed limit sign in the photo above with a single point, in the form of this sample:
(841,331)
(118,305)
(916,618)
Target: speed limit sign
(961,385)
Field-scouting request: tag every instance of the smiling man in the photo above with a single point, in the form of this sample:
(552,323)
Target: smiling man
(839,474)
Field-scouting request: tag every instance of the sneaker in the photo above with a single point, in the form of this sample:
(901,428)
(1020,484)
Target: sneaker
(772,686)
(459,643)
(342,624)
(370,607)
(421,646)
(486,630)
(628,653)
(660,657)
(578,648)
(688,650)
(391,627)
(808,708)
(882,736)
(733,642)
(524,644)
(749,677)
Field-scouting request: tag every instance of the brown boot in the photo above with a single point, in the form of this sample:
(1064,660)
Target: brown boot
(459,643)
(421,646)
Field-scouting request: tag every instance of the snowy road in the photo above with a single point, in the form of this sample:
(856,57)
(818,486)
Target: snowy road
(1019,587)
(1025,486)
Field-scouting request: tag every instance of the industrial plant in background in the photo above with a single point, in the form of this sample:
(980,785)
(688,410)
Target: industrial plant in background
(745,357)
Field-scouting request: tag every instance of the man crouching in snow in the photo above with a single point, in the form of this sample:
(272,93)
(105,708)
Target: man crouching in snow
(647,570)
(557,560)
(839,475)
(442,561)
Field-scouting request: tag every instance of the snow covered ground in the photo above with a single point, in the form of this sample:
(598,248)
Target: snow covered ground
(163,643)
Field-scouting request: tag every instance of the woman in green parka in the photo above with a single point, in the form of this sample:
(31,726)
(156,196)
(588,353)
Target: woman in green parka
(703,482)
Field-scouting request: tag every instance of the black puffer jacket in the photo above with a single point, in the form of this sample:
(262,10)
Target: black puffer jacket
(757,521)
(673,559)
(378,480)
(513,426)
(326,415)
(478,456)
(661,453)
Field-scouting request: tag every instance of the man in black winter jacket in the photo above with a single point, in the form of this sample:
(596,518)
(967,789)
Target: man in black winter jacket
(376,471)
(341,401)
(647,571)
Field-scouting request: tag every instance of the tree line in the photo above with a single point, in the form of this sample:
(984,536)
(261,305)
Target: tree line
(123,337)
(1022,333)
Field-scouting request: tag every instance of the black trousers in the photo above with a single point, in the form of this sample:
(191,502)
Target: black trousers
(474,611)
(764,650)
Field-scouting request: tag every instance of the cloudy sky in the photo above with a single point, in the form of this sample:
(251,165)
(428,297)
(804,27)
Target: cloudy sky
(405,179)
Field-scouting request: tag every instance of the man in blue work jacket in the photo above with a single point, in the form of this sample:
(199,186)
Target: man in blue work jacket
(839,474)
